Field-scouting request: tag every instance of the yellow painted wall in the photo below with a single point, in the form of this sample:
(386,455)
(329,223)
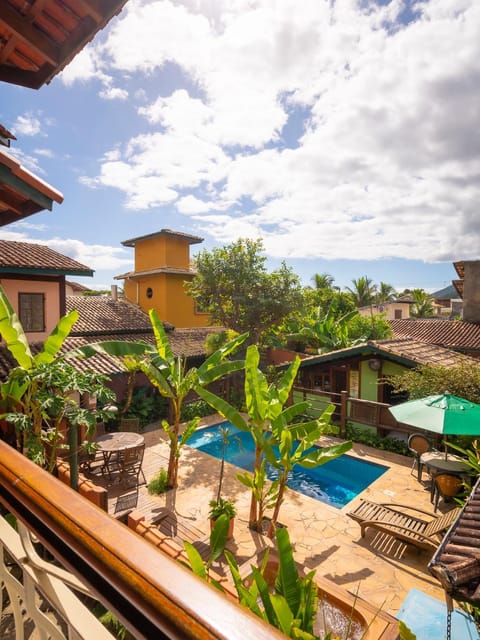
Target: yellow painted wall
(162,251)
(52,302)
(169,297)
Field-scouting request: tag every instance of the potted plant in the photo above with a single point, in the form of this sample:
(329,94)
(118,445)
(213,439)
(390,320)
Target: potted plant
(220,506)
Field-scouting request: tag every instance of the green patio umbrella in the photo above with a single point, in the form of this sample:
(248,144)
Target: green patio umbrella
(444,414)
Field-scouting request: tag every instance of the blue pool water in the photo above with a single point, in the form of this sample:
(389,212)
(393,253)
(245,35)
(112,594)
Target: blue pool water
(336,482)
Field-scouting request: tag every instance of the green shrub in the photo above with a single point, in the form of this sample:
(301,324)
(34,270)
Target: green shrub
(378,442)
(147,405)
(196,409)
(158,484)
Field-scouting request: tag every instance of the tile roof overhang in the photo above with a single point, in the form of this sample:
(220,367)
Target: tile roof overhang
(163,232)
(407,352)
(36,259)
(38,38)
(21,192)
(135,275)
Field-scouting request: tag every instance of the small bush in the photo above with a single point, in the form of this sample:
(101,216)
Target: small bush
(158,484)
(196,409)
(373,440)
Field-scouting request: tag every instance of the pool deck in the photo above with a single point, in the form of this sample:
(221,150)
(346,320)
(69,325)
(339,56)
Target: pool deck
(379,568)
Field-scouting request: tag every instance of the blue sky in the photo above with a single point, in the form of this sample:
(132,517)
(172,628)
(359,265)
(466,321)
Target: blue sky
(345,135)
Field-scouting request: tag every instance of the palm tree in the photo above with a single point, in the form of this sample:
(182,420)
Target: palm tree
(323,281)
(423,307)
(385,292)
(363,291)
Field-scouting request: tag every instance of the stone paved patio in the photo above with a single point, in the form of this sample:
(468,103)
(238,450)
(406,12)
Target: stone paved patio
(381,569)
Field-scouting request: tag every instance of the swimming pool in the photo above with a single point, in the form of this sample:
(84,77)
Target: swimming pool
(336,482)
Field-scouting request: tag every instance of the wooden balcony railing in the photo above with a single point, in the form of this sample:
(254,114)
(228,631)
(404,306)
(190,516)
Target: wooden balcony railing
(152,595)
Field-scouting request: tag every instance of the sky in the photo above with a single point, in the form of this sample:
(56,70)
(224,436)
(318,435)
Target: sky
(344,133)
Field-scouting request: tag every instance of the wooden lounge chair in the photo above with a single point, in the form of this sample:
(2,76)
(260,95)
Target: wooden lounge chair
(420,528)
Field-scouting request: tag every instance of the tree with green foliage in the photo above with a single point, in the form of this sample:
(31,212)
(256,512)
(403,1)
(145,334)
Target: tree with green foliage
(234,286)
(363,291)
(43,391)
(169,375)
(324,281)
(371,327)
(423,305)
(462,380)
(385,293)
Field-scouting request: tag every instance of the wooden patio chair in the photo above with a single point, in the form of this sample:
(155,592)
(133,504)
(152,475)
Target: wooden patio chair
(420,528)
(127,463)
(417,444)
(446,486)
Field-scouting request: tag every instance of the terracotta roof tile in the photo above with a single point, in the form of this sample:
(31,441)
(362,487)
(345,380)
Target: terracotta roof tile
(100,315)
(421,352)
(453,334)
(28,257)
(163,232)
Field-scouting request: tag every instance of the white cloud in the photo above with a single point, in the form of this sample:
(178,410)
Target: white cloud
(113,93)
(47,153)
(331,131)
(28,125)
(190,204)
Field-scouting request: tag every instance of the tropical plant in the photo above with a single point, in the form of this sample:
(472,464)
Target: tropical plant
(363,291)
(38,397)
(267,418)
(169,375)
(218,540)
(385,292)
(323,281)
(220,506)
(325,332)
(295,445)
(292,605)
(423,304)
(232,283)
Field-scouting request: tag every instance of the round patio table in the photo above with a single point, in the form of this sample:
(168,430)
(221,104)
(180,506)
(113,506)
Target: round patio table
(111,444)
(119,440)
(436,460)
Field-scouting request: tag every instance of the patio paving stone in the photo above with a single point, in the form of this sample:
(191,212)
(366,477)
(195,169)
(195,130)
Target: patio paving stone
(325,538)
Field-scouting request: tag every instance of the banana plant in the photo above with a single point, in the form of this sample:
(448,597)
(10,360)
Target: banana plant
(295,444)
(293,603)
(169,374)
(36,397)
(264,403)
(218,540)
(266,421)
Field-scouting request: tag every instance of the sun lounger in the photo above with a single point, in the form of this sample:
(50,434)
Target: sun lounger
(413,526)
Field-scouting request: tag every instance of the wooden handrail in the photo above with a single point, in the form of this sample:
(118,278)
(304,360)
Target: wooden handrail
(153,596)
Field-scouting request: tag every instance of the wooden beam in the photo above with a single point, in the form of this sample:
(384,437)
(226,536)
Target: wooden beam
(22,29)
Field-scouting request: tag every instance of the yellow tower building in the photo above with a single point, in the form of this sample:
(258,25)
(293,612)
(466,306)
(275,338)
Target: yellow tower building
(162,266)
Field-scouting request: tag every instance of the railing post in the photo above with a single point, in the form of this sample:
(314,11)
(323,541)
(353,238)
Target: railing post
(343,413)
